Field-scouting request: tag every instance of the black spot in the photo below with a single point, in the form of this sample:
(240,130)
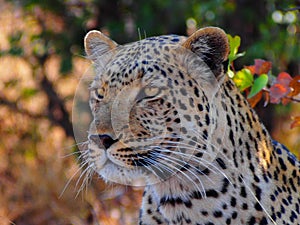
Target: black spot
(245,206)
(150,200)
(258,206)
(177,120)
(228,221)
(187,203)
(258,135)
(156,67)
(251,221)
(228,120)
(256,178)
(293,217)
(235,159)
(170,129)
(282,164)
(266,178)
(205,172)
(212,193)
(263,221)
(251,167)
(207,120)
(157,220)
(204,135)
(243,192)
(291,182)
(218,214)
(196,92)
(231,137)
(175,39)
(199,154)
(273,216)
(234,215)
(278,150)
(200,107)
(292,160)
(204,213)
(225,185)
(221,163)
(163,73)
(181,75)
(170,70)
(196,195)
(285,202)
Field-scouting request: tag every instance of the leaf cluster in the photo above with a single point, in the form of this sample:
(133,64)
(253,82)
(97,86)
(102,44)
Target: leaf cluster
(258,83)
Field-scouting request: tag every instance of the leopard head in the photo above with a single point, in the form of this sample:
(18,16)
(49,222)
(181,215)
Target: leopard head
(153,104)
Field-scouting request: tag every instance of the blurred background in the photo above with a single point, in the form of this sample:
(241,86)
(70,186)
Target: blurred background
(42,61)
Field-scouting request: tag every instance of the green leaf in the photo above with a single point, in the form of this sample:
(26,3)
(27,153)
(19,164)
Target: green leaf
(258,85)
(243,79)
(234,43)
(28,92)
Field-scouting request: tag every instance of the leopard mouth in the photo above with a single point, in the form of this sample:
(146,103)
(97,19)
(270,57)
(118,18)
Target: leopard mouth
(119,161)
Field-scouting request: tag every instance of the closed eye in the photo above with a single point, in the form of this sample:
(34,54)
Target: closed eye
(148,93)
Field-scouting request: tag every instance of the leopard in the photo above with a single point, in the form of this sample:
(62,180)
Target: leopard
(166,115)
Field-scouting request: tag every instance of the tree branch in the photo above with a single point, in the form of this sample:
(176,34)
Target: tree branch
(13,106)
(56,108)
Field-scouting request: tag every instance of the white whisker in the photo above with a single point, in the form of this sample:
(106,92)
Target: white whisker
(86,173)
(170,159)
(71,178)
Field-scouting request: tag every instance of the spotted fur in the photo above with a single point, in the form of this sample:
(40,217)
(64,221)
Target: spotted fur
(165,113)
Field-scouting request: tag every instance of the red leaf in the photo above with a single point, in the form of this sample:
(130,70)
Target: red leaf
(296,122)
(255,99)
(251,68)
(280,89)
(285,101)
(284,79)
(295,86)
(262,66)
(277,91)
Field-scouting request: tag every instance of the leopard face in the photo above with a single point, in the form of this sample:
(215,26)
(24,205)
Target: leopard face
(148,114)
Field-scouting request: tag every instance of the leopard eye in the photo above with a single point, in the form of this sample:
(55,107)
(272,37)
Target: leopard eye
(148,93)
(151,91)
(99,93)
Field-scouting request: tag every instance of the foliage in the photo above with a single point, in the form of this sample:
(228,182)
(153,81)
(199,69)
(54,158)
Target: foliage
(254,81)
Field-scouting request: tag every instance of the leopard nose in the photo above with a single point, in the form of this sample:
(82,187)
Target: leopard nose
(103,140)
(106,140)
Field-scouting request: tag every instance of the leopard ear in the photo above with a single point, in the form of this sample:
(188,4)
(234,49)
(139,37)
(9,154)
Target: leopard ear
(96,44)
(211,45)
